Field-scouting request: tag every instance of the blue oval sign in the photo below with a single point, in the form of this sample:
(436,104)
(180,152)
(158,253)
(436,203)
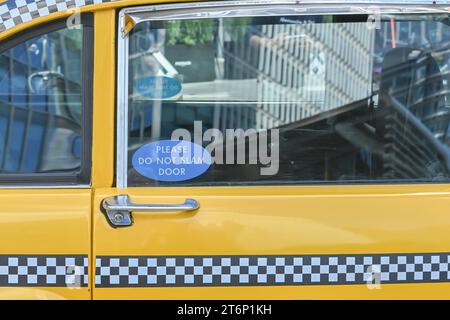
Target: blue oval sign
(158,87)
(171,160)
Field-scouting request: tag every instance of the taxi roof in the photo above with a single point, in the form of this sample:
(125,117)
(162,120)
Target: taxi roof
(17,12)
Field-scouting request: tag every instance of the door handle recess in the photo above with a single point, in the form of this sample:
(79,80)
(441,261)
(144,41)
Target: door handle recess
(118,209)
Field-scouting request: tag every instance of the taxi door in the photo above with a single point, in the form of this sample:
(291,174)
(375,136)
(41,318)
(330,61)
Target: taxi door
(269,151)
(45,161)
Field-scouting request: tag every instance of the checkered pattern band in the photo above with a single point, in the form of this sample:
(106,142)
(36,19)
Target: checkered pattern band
(15,12)
(43,270)
(157,271)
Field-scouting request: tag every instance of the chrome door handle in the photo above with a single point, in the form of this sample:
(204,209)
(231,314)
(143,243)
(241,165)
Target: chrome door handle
(118,209)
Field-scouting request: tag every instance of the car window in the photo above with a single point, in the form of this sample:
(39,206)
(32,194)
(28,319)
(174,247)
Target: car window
(294,99)
(41,105)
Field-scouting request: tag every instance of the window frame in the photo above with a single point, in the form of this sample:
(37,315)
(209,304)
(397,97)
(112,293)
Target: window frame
(128,18)
(82,179)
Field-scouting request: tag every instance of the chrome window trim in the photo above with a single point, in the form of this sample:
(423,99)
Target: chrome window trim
(220,9)
(122,108)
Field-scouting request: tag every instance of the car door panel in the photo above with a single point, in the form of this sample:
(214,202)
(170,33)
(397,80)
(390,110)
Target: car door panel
(232,223)
(45,192)
(358,207)
(48,230)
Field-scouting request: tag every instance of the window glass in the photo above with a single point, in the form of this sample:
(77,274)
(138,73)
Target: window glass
(41,104)
(295,99)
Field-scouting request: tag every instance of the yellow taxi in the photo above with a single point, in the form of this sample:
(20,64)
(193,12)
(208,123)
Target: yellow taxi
(253,149)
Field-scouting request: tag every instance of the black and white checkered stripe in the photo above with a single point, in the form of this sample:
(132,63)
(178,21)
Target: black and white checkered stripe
(44,270)
(15,12)
(157,271)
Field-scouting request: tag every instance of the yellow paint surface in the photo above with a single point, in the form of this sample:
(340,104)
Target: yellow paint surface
(47,222)
(283,221)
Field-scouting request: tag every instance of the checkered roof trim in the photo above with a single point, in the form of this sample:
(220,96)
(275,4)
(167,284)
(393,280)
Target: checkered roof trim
(16,12)
(157,271)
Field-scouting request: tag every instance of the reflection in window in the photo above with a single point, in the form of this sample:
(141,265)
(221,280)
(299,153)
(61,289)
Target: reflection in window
(40,104)
(352,103)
